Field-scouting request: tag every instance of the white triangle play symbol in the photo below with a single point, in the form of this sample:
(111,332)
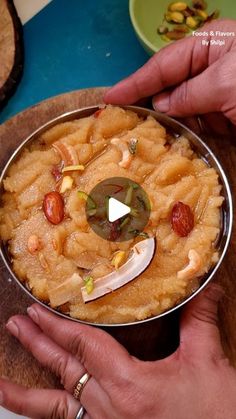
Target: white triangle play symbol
(116,210)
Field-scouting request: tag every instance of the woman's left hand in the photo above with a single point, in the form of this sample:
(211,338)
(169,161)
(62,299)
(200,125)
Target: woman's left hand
(196,381)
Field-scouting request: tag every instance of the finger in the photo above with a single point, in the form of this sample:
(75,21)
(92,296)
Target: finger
(47,352)
(38,404)
(104,358)
(160,72)
(199,333)
(57,360)
(95,401)
(197,95)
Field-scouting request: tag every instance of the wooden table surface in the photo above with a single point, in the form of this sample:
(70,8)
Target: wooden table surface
(148,341)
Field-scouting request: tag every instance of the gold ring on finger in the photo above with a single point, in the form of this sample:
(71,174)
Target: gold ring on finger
(80,386)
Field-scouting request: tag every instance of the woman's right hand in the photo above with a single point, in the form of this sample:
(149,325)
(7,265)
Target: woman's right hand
(187,78)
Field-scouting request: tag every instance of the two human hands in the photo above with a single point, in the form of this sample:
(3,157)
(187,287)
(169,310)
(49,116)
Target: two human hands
(196,381)
(187,78)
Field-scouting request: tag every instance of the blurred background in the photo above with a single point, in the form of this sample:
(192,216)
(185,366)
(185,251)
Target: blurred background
(72,45)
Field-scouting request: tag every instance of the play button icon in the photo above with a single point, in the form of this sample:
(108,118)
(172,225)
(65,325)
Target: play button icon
(116,210)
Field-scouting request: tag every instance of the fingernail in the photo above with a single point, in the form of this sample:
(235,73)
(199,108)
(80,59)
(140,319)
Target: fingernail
(1,397)
(162,103)
(13,328)
(33,314)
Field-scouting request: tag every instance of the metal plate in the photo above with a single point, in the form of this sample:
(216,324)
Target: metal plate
(197,145)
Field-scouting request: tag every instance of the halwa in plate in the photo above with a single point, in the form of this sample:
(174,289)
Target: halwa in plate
(54,251)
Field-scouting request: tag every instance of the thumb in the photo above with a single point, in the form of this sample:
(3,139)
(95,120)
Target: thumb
(199,333)
(198,95)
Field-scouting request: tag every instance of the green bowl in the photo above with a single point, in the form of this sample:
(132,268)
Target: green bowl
(147,15)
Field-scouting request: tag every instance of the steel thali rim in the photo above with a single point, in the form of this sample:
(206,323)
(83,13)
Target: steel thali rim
(196,143)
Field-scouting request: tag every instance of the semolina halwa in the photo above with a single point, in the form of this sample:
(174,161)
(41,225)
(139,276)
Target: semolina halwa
(54,251)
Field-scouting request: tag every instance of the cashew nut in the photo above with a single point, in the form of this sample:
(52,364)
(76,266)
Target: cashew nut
(123,147)
(193,266)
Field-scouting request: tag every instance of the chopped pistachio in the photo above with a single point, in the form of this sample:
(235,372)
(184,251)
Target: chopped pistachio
(82,195)
(168,17)
(89,284)
(129,195)
(124,222)
(107,205)
(118,259)
(213,16)
(192,22)
(91,205)
(177,6)
(165,38)
(134,212)
(176,17)
(144,202)
(202,14)
(134,185)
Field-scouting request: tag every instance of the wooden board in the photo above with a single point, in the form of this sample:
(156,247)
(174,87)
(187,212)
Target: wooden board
(148,341)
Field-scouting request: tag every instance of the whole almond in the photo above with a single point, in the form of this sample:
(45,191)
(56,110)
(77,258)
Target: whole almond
(53,207)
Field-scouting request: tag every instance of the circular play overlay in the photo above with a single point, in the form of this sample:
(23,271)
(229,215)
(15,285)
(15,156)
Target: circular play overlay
(118,209)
